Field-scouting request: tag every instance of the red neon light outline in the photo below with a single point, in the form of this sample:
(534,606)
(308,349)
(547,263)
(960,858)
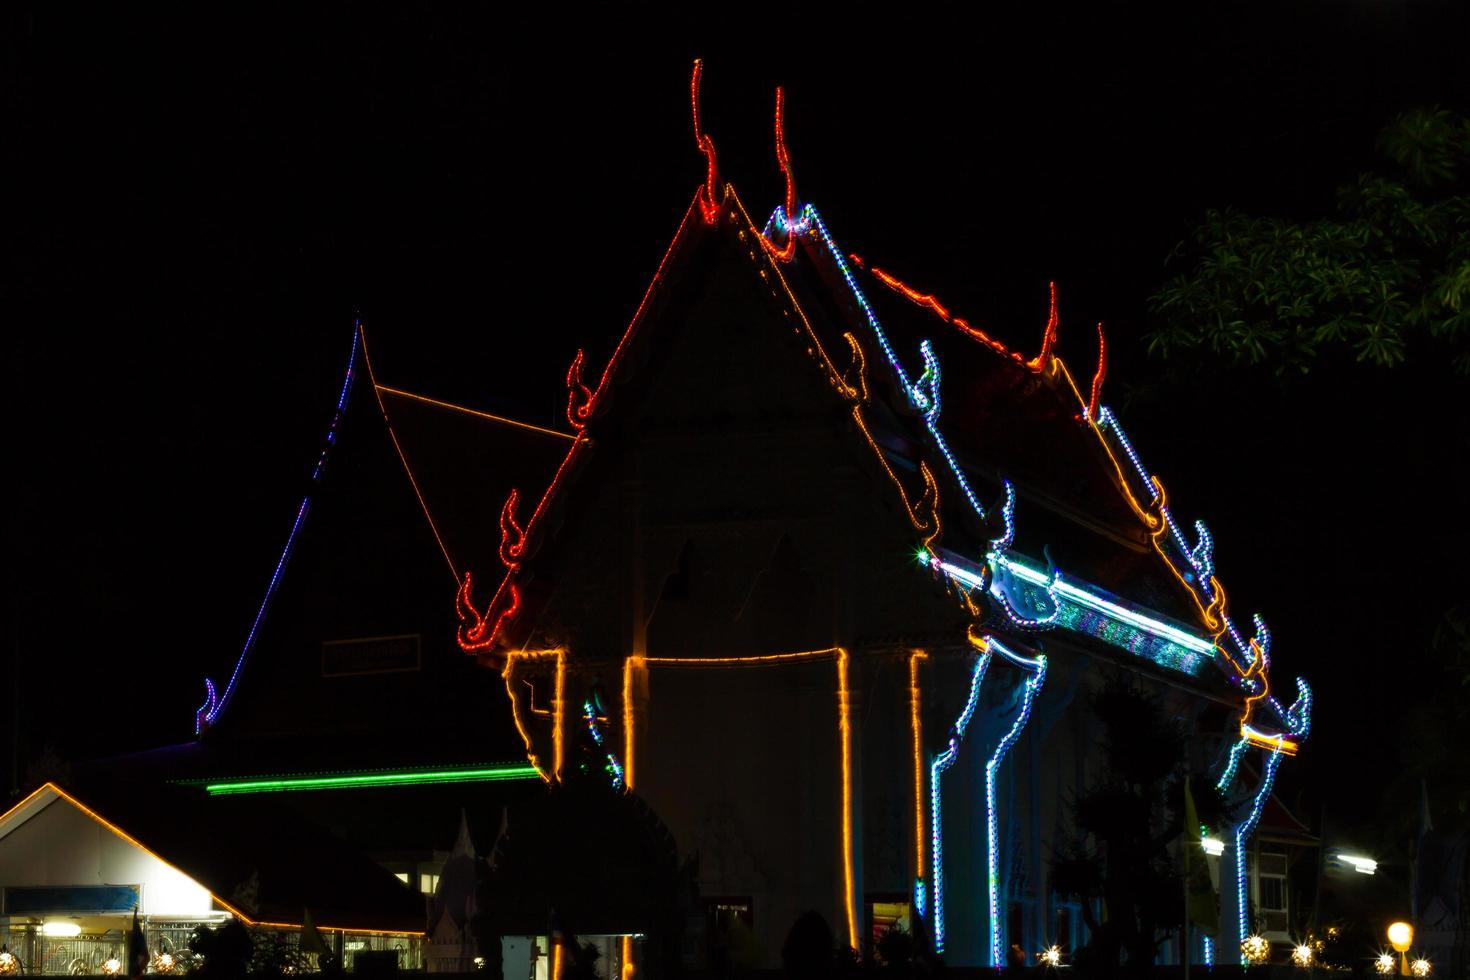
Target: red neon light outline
(1049,335)
(1099,374)
(707,197)
(783,160)
(476,633)
(579,398)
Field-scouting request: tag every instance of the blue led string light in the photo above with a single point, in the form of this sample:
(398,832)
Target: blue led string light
(937,768)
(1299,723)
(1181,650)
(213,706)
(1032,685)
(614,768)
(1083,611)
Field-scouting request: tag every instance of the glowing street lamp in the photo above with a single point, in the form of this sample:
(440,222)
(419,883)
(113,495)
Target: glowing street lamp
(1401,937)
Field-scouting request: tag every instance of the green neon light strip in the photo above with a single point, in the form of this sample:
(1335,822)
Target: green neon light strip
(417,777)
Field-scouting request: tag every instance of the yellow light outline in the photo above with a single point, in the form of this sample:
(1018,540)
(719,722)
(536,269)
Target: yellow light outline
(437,403)
(844,730)
(558,700)
(916,725)
(129,838)
(627,955)
(408,470)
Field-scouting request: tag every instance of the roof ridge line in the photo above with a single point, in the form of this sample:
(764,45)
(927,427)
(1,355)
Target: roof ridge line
(478,413)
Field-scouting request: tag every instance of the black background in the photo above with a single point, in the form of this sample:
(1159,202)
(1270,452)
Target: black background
(198,204)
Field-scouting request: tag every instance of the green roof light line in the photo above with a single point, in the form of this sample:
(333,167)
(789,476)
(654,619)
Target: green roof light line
(365,780)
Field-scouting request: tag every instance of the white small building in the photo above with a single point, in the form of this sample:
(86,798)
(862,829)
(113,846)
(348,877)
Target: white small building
(73,871)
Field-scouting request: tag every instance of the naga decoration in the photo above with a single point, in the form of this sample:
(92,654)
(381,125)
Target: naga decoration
(579,396)
(481,631)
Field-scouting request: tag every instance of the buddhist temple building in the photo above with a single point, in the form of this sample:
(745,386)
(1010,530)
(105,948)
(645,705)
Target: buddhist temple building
(803,608)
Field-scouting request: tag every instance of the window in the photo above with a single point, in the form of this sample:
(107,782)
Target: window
(729,930)
(428,884)
(1269,877)
(885,912)
(401,876)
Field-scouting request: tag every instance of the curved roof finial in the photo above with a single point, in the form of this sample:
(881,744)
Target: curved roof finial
(1099,374)
(1049,337)
(788,207)
(709,203)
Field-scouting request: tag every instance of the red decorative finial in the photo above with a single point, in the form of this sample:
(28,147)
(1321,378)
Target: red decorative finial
(709,202)
(512,535)
(1097,377)
(477,633)
(783,160)
(1049,337)
(579,397)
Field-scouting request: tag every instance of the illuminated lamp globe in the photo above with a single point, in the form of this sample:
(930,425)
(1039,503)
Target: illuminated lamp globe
(1401,936)
(1302,956)
(112,967)
(9,965)
(1051,956)
(1255,950)
(164,963)
(1384,964)
(1420,967)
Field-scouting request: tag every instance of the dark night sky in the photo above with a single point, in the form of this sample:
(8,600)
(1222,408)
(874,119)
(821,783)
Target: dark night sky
(198,207)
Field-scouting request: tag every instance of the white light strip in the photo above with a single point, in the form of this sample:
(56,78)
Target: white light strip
(1212,846)
(1362,865)
(1084,598)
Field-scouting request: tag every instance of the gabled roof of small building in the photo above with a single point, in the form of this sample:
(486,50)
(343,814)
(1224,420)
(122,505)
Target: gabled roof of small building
(257,860)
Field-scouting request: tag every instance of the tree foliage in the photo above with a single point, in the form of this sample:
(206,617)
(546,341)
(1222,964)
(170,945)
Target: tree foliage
(1388,269)
(1129,821)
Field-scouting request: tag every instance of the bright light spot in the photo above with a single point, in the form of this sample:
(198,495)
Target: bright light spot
(1051,956)
(112,967)
(1302,955)
(1362,865)
(60,930)
(1384,963)
(9,965)
(1420,967)
(1400,936)
(1213,846)
(1255,949)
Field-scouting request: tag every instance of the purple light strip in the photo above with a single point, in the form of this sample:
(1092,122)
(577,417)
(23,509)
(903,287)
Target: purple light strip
(212,707)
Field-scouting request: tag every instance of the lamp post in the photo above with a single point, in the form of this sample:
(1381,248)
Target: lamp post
(1401,937)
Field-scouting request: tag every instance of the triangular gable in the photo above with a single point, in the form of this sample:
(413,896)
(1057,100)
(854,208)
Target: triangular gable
(352,642)
(838,371)
(1055,414)
(186,856)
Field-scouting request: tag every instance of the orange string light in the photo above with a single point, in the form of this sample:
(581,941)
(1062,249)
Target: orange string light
(129,838)
(558,712)
(398,448)
(450,406)
(844,730)
(916,727)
